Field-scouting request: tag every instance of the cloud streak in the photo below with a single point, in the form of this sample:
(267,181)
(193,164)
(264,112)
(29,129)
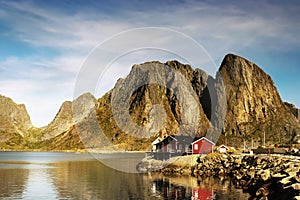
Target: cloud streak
(63,38)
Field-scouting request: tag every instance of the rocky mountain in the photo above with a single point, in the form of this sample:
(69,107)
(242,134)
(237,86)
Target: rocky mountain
(62,132)
(62,122)
(293,109)
(155,99)
(18,133)
(254,106)
(241,104)
(15,115)
(15,122)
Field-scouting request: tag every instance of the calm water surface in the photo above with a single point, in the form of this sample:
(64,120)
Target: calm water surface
(49,175)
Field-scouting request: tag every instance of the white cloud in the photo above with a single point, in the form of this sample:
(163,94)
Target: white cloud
(44,80)
(41,86)
(41,105)
(44,27)
(230,25)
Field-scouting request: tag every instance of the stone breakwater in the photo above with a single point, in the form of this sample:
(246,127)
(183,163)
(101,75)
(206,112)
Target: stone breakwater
(262,176)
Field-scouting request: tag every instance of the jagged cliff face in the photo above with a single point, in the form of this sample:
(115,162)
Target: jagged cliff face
(17,131)
(16,115)
(62,122)
(253,103)
(15,122)
(242,96)
(158,99)
(62,132)
(155,99)
(293,109)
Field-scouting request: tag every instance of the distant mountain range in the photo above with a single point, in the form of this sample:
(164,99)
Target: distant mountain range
(241,103)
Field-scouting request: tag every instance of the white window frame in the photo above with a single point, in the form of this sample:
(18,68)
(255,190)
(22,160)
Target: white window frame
(196,146)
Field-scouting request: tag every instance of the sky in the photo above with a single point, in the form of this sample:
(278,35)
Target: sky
(45,44)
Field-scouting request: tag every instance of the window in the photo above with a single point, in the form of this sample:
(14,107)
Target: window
(196,146)
(169,148)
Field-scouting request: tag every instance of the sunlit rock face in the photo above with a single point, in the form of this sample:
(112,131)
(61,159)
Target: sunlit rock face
(15,122)
(253,103)
(241,103)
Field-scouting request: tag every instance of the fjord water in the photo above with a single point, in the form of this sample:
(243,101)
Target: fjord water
(53,175)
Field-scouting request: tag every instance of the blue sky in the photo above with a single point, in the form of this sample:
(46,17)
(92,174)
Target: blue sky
(44,43)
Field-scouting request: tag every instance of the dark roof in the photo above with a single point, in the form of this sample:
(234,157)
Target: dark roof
(179,138)
(184,138)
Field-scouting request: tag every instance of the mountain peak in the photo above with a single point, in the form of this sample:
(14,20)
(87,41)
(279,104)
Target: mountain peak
(15,122)
(68,114)
(235,62)
(253,102)
(252,106)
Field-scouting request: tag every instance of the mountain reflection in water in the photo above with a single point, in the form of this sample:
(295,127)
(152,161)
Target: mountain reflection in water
(87,178)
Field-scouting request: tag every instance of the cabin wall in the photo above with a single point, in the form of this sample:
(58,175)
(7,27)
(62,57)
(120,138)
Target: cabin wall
(202,147)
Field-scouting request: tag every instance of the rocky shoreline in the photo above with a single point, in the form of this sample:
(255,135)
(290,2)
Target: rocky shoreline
(262,176)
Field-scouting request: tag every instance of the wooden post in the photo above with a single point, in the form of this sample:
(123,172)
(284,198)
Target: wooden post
(264,138)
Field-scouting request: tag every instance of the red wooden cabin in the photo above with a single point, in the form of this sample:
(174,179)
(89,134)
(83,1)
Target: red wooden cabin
(202,146)
(173,144)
